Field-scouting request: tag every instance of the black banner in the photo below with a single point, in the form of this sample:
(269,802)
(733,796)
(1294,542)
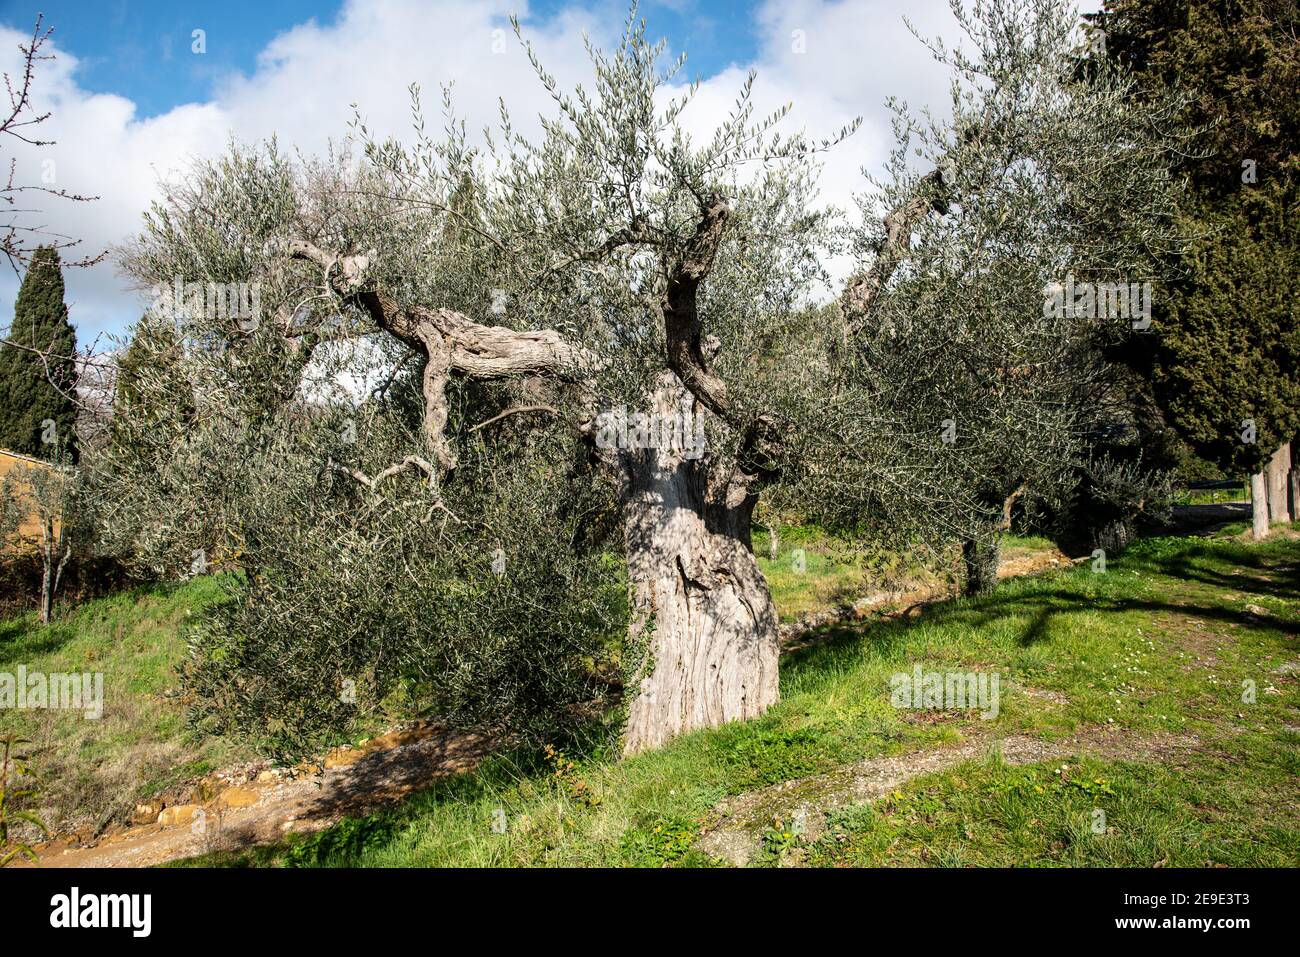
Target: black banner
(141,908)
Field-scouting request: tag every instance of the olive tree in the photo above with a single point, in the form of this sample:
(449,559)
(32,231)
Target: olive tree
(1000,273)
(605,304)
(604,338)
(44,509)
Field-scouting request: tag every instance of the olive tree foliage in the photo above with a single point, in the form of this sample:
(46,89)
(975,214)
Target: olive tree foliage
(583,342)
(988,381)
(261,448)
(602,338)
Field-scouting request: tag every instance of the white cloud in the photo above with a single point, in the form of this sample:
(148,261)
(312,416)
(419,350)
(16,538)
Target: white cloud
(834,62)
(302,90)
(855,54)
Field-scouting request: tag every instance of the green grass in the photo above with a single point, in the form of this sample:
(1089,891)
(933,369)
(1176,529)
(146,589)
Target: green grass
(1026,544)
(94,769)
(814,571)
(1216,496)
(990,814)
(1160,643)
(810,571)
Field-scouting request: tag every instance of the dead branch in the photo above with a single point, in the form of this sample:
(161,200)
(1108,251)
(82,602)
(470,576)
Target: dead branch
(514,411)
(862,288)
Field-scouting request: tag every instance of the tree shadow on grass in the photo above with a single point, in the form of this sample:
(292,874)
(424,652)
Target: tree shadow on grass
(1282,579)
(1038,600)
(23,638)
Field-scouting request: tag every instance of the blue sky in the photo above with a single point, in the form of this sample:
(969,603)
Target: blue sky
(140,49)
(132,102)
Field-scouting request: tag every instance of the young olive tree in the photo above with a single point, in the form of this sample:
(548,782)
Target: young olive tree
(996,280)
(43,510)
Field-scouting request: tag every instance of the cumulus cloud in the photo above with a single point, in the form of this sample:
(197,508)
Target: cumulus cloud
(832,60)
(833,63)
(303,90)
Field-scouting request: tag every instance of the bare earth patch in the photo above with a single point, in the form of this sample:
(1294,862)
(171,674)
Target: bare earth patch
(263,810)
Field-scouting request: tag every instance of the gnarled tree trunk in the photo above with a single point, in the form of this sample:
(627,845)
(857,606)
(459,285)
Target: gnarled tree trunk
(1114,536)
(980,559)
(704,640)
(981,555)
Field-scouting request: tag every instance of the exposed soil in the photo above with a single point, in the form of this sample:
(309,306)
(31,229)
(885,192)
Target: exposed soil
(1202,520)
(276,803)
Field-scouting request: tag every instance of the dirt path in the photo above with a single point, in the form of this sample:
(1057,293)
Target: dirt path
(276,803)
(1203,520)
(736,833)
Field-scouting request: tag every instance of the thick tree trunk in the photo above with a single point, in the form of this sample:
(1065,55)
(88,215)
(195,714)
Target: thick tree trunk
(1259,506)
(1277,480)
(1114,536)
(980,559)
(704,640)
(982,556)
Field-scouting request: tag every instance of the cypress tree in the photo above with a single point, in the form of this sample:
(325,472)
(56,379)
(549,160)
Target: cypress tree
(38,413)
(1224,354)
(150,386)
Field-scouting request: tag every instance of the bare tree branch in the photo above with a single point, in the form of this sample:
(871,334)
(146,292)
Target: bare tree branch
(20,117)
(514,411)
(860,291)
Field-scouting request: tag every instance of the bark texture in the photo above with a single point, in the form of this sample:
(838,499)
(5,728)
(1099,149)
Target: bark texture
(1258,506)
(1294,480)
(858,299)
(980,559)
(1277,476)
(1114,536)
(704,636)
(52,565)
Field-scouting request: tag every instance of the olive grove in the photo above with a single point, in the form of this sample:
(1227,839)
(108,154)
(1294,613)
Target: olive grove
(492,439)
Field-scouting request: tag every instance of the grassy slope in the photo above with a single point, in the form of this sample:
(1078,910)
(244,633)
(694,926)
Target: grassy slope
(1161,642)
(94,768)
